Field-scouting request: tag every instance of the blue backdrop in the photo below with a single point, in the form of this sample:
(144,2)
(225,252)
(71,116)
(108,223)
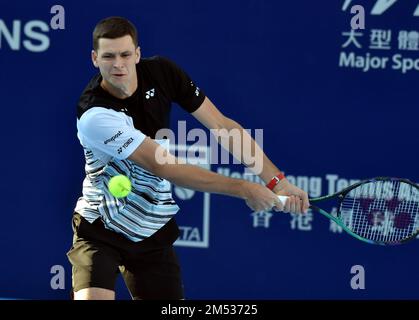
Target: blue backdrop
(335,105)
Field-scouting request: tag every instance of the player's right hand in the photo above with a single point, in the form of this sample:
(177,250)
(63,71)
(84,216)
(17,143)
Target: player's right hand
(259,198)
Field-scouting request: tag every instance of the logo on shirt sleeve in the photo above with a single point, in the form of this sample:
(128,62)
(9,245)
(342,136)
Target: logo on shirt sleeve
(113,138)
(197,90)
(125,145)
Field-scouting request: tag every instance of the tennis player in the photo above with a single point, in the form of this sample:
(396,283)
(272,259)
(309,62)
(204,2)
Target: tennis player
(119,113)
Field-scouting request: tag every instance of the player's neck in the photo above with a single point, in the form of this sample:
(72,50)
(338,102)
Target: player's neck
(120,92)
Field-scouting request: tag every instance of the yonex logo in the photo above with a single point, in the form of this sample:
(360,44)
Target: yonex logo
(196,90)
(150,93)
(125,145)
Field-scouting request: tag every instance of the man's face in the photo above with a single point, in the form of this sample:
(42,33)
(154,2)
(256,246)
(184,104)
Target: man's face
(116,59)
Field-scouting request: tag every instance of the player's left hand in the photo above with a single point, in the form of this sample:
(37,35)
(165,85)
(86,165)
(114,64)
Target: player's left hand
(298,198)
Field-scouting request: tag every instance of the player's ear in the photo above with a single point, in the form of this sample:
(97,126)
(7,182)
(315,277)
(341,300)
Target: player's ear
(137,54)
(94,58)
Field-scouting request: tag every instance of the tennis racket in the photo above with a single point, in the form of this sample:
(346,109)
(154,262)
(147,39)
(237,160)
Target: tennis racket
(380,210)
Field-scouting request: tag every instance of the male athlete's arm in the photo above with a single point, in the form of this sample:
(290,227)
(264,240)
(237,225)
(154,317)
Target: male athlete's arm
(112,133)
(150,155)
(250,154)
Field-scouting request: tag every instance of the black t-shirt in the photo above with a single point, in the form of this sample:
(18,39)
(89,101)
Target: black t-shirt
(160,82)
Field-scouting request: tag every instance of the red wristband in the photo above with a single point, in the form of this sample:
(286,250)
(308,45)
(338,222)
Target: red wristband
(275,180)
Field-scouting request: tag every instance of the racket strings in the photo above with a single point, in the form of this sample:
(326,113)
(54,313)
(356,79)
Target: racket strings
(382,211)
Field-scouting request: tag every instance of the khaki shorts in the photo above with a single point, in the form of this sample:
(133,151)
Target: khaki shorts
(150,267)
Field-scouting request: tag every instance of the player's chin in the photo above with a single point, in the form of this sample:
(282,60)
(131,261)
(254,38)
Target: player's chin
(118,83)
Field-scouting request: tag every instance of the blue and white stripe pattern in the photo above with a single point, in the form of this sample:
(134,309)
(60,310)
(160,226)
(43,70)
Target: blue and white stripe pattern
(145,210)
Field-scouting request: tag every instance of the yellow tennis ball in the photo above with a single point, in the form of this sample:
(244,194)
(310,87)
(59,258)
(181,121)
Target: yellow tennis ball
(119,186)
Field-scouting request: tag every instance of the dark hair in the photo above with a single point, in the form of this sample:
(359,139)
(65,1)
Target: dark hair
(112,28)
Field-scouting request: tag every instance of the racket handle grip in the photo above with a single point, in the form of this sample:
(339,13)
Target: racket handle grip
(283,199)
